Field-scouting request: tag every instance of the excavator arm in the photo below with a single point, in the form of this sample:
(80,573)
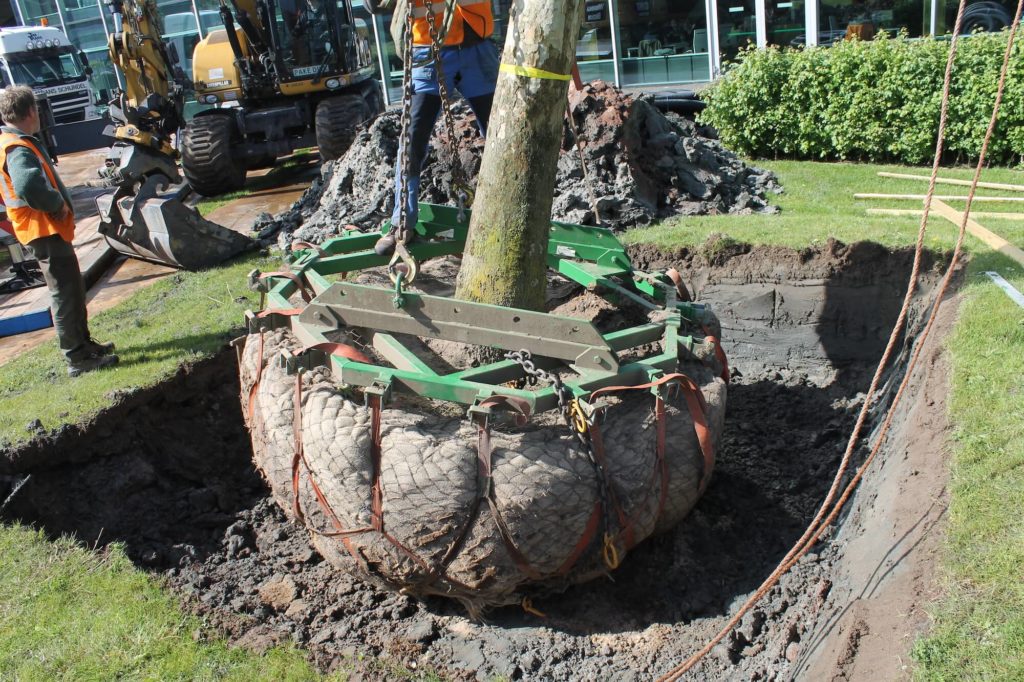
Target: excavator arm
(150,109)
(145,216)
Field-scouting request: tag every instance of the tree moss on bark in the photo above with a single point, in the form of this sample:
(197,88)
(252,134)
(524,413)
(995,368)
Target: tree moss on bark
(505,257)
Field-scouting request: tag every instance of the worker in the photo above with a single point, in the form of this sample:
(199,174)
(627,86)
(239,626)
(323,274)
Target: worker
(469,59)
(39,208)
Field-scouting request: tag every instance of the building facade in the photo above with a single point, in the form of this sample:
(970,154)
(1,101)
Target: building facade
(632,43)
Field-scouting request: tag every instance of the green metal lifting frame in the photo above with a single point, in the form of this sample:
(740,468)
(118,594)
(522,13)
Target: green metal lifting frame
(590,256)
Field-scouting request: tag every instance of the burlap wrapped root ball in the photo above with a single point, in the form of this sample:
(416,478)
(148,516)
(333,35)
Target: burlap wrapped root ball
(435,536)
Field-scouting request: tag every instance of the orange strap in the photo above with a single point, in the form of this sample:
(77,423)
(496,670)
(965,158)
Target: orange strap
(697,407)
(485,485)
(286,312)
(681,291)
(293,277)
(719,354)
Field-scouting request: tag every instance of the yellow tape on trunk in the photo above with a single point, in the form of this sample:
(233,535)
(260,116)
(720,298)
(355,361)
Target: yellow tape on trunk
(531,72)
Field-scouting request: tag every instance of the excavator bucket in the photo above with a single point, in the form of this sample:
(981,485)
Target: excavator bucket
(154,224)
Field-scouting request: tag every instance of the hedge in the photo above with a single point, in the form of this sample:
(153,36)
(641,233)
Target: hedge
(873,100)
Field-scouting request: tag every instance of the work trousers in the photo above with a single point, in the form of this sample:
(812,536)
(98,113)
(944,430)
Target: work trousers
(473,71)
(63,278)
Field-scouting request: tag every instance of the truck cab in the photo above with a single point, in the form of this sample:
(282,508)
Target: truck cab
(43,58)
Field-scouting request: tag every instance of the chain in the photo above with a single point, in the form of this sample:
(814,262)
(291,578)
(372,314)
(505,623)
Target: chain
(402,230)
(459,186)
(535,373)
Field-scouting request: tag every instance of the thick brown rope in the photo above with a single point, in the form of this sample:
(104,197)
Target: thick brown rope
(826,514)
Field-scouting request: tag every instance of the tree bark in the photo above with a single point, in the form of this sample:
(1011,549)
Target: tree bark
(505,258)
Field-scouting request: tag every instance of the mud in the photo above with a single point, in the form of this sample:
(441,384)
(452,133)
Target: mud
(170,476)
(638,165)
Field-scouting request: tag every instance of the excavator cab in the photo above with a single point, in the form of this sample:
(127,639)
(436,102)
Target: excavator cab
(282,75)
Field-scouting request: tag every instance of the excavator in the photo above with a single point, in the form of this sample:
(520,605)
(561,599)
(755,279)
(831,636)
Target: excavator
(146,215)
(271,103)
(285,75)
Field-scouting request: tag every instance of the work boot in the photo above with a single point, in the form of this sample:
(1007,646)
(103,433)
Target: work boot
(89,363)
(386,244)
(97,348)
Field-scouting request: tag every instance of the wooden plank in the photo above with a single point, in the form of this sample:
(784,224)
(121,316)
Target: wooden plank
(952,181)
(917,212)
(942,197)
(993,240)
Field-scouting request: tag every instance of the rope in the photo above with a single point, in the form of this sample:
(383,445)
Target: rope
(825,516)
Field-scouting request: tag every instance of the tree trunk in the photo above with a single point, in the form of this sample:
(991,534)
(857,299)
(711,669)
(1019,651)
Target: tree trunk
(505,258)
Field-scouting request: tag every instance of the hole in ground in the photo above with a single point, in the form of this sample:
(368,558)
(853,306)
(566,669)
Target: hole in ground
(168,474)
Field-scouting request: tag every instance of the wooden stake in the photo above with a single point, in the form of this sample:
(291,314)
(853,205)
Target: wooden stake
(942,197)
(951,181)
(505,261)
(917,212)
(993,240)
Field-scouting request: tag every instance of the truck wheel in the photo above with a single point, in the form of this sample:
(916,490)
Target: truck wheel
(206,156)
(336,121)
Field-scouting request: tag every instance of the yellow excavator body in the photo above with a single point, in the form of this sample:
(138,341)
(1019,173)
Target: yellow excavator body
(282,75)
(145,216)
(213,66)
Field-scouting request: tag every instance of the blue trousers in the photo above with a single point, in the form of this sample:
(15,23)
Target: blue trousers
(473,71)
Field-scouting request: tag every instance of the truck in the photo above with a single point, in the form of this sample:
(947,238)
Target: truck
(43,58)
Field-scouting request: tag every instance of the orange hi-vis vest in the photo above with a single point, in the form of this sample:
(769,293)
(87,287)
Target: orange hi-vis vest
(476,13)
(30,223)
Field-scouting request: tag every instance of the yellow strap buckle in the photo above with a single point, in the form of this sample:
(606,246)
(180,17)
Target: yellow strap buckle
(610,552)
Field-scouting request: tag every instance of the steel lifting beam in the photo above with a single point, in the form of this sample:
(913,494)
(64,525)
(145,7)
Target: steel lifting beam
(590,256)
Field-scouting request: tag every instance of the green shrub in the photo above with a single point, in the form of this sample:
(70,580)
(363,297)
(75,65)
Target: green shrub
(873,100)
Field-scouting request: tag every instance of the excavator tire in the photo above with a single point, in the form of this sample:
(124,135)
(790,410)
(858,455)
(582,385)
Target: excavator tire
(206,156)
(336,121)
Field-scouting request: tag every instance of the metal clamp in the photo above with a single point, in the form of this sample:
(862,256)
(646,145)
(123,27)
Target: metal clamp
(404,263)
(378,388)
(266,321)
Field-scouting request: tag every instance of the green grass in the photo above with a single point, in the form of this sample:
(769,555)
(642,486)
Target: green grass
(978,631)
(68,613)
(818,203)
(179,320)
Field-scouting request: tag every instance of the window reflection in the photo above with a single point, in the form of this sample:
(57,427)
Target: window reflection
(663,42)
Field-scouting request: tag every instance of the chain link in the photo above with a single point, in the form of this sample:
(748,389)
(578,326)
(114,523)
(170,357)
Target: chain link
(535,374)
(459,186)
(403,231)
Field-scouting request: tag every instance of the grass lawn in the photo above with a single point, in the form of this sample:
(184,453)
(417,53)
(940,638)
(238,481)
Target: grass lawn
(66,612)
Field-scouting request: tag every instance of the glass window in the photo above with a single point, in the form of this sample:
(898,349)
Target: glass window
(594,48)
(784,22)
(987,15)
(839,19)
(34,10)
(737,26)
(45,70)
(663,41)
(364,27)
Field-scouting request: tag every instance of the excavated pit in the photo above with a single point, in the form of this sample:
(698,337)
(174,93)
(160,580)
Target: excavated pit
(168,473)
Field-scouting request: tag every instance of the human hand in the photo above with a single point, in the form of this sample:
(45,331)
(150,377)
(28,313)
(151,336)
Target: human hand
(61,214)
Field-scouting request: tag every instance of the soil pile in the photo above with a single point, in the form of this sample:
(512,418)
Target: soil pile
(642,165)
